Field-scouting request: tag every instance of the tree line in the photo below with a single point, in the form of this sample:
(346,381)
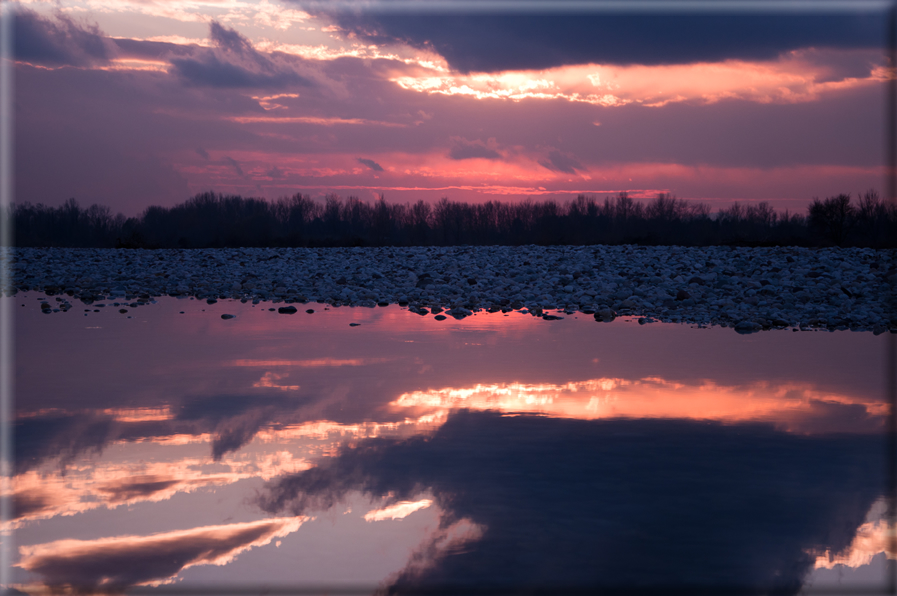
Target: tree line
(210,220)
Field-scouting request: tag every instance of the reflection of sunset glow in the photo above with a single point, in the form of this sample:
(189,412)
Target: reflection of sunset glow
(871,539)
(795,77)
(397,511)
(786,405)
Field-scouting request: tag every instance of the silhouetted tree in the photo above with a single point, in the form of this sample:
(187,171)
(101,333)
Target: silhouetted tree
(215,220)
(832,218)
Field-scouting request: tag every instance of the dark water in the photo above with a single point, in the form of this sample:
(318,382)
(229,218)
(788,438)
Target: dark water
(497,453)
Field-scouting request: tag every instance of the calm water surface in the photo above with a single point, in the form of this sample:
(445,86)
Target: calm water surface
(507,452)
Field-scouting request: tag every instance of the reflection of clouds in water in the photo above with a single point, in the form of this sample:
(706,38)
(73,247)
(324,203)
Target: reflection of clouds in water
(232,421)
(81,486)
(112,564)
(227,422)
(60,437)
(871,539)
(791,406)
(599,502)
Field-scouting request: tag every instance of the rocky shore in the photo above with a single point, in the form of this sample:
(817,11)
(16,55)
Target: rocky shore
(748,289)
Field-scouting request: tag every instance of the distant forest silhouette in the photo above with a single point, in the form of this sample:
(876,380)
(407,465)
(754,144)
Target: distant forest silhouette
(211,220)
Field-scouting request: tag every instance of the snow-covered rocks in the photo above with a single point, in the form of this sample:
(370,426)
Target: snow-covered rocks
(743,288)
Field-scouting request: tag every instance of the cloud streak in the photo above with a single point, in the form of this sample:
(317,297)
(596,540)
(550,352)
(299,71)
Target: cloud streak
(111,564)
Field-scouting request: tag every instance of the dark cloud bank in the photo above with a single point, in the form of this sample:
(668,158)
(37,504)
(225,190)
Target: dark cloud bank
(629,504)
(486,41)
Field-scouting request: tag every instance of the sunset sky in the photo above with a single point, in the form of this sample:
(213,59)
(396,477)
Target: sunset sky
(130,103)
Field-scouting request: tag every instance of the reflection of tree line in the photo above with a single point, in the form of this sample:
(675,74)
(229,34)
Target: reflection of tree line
(215,220)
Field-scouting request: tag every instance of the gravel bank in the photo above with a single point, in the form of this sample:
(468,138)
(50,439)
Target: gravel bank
(748,289)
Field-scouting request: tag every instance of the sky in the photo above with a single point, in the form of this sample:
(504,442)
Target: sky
(131,103)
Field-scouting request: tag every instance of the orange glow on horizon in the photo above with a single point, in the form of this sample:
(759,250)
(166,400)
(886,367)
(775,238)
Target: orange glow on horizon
(515,175)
